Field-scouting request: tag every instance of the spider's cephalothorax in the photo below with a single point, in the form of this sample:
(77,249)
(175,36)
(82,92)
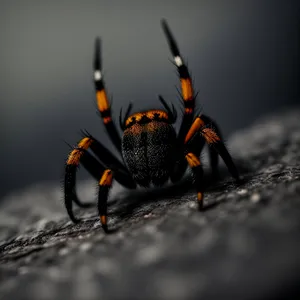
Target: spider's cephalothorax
(152,152)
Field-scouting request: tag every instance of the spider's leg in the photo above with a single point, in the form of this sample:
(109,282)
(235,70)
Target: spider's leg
(195,165)
(121,173)
(123,121)
(197,143)
(213,155)
(172,113)
(102,99)
(104,187)
(187,91)
(213,139)
(79,155)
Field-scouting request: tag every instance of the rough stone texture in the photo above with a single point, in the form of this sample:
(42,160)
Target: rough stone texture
(246,244)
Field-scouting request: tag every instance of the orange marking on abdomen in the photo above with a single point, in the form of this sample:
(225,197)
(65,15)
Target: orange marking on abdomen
(135,129)
(187,89)
(150,114)
(102,100)
(198,123)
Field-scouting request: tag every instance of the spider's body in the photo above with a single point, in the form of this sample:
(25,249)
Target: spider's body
(151,150)
(148,147)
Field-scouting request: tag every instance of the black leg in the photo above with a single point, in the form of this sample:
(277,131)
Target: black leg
(104,187)
(102,99)
(213,155)
(188,97)
(197,143)
(123,121)
(223,152)
(172,113)
(187,91)
(92,165)
(213,139)
(121,173)
(79,155)
(214,161)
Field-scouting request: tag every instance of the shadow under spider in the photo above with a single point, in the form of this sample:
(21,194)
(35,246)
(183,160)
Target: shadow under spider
(133,199)
(124,205)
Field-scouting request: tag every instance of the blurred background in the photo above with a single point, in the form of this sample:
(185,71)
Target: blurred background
(243,54)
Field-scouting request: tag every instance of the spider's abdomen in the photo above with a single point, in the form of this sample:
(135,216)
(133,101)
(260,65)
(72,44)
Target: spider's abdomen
(148,151)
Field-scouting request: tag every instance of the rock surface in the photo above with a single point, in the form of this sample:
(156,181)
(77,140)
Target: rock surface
(244,246)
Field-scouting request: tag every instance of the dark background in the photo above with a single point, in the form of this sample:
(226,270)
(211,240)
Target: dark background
(244,56)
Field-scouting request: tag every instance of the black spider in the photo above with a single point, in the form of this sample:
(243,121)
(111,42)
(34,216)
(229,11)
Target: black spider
(150,148)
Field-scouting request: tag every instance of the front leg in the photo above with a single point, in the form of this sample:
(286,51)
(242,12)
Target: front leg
(187,91)
(103,103)
(97,168)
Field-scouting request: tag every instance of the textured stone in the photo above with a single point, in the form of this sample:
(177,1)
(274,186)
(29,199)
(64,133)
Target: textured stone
(245,245)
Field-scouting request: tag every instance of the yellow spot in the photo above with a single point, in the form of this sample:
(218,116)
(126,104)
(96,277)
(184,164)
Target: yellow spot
(103,220)
(150,114)
(198,123)
(192,160)
(210,136)
(187,89)
(135,129)
(106,178)
(102,100)
(76,154)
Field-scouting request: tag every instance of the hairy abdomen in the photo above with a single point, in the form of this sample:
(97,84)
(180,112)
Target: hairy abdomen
(148,151)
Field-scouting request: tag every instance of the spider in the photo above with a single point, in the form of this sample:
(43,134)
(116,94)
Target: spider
(151,150)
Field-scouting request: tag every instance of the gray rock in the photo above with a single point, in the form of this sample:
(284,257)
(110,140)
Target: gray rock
(245,245)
